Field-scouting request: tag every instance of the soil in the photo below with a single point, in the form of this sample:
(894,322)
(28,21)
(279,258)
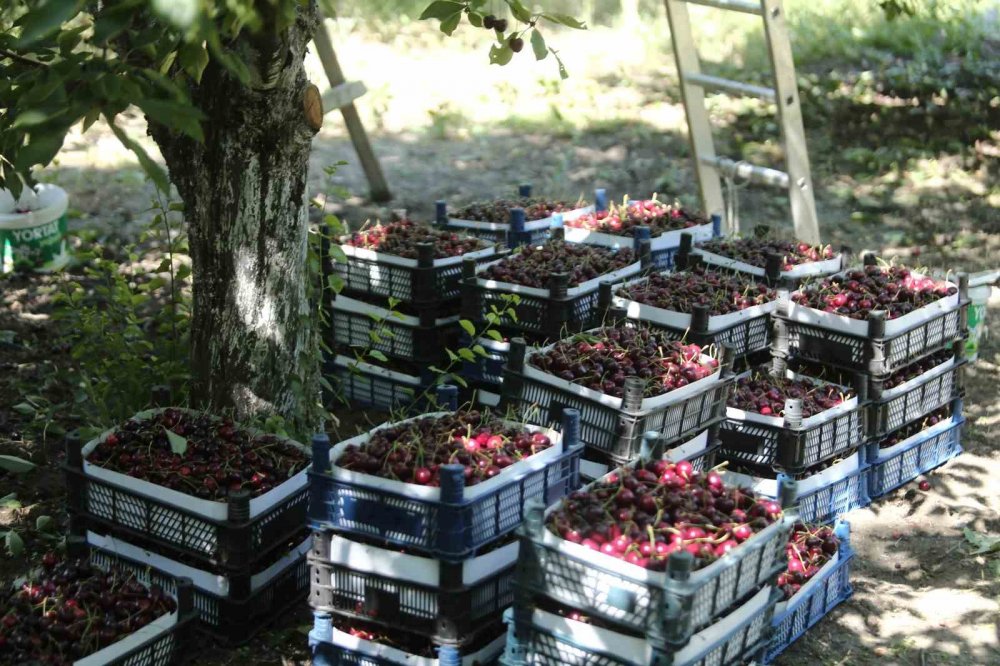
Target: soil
(919,598)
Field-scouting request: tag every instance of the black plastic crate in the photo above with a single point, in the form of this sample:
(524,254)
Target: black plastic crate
(143,512)
(419,338)
(419,282)
(615,431)
(550,313)
(231,608)
(796,446)
(444,601)
(368,384)
(876,351)
(893,408)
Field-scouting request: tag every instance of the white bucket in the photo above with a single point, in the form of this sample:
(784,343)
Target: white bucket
(34,239)
(979,294)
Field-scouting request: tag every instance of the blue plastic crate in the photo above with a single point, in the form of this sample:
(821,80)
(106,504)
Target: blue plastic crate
(916,455)
(332,647)
(824,496)
(540,638)
(817,598)
(461,521)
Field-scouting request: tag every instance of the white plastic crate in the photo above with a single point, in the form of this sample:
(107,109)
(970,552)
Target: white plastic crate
(807,270)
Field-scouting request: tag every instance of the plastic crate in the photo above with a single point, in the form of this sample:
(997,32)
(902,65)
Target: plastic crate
(488,370)
(418,282)
(450,522)
(614,426)
(892,409)
(875,346)
(421,338)
(163,642)
(540,638)
(824,496)
(550,313)
(441,600)
(518,231)
(699,451)
(370,385)
(821,593)
(232,535)
(231,607)
(813,269)
(636,599)
(663,248)
(903,462)
(746,331)
(772,440)
(332,647)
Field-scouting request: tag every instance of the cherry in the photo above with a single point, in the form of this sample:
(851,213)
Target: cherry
(515,44)
(924,485)
(622,220)
(532,266)
(401,239)
(754,251)
(498,211)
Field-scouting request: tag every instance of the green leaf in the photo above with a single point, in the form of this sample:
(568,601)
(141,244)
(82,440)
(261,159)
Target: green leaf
(478,349)
(496,335)
(45,18)
(441,9)
(449,24)
(981,543)
(500,54)
(466,354)
(468,327)
(335,282)
(14,543)
(16,465)
(152,169)
(10,502)
(193,58)
(451,355)
(24,409)
(44,523)
(91,118)
(178,444)
(566,20)
(460,381)
(29,118)
(337,253)
(538,45)
(519,11)
(175,115)
(378,356)
(180,13)
(476,19)
(40,149)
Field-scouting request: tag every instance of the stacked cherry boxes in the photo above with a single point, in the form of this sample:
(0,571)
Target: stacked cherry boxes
(245,554)
(407,573)
(400,314)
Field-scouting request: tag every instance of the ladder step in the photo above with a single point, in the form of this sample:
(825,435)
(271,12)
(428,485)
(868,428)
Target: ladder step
(745,6)
(340,96)
(747,171)
(729,86)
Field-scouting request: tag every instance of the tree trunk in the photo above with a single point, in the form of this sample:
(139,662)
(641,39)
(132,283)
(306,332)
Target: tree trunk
(253,344)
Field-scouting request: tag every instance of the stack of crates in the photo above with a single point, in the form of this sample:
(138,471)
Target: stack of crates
(408,574)
(246,557)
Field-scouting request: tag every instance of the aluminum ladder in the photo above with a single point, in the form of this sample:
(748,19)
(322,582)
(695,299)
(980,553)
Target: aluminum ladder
(712,168)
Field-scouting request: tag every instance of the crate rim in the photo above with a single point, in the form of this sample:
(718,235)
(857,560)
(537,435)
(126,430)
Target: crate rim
(572,293)
(807,269)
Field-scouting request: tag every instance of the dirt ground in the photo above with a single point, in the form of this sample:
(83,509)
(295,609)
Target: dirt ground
(919,599)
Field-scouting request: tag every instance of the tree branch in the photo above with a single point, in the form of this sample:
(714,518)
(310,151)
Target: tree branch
(21,58)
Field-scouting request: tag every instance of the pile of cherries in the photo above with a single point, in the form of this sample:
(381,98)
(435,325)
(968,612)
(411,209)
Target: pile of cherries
(401,239)
(219,457)
(498,210)
(533,266)
(644,514)
(71,609)
(765,394)
(911,429)
(620,221)
(808,549)
(722,292)
(414,451)
(914,370)
(754,251)
(601,360)
(857,293)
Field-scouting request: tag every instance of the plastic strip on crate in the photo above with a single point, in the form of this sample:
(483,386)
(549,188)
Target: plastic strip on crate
(542,638)
(441,600)
(636,598)
(823,496)
(332,647)
(916,455)
(826,589)
(451,522)
(231,607)
(231,534)
(765,440)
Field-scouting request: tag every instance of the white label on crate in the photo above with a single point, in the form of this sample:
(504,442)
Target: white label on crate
(582,288)
(508,474)
(778,421)
(135,639)
(688,449)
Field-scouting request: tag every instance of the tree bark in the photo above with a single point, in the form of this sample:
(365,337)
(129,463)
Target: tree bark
(253,344)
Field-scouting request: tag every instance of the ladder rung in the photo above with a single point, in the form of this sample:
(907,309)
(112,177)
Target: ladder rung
(729,86)
(342,95)
(745,6)
(747,171)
